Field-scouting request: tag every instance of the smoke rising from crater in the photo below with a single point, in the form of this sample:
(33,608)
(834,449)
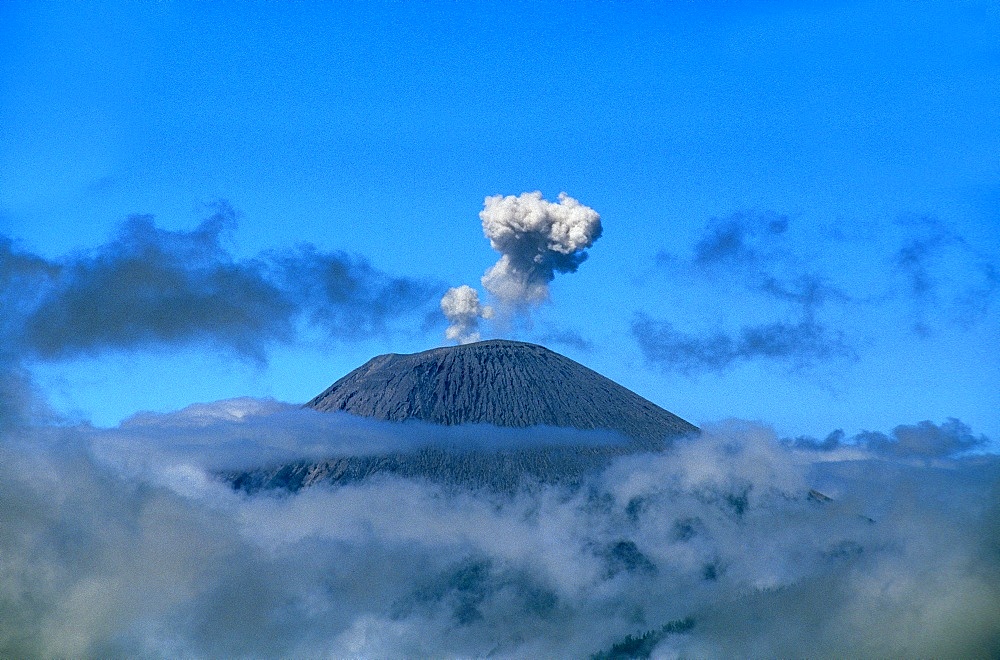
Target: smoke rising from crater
(463,310)
(536,239)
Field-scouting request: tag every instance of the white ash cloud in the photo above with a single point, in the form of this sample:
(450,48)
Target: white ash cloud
(463,310)
(117,543)
(536,239)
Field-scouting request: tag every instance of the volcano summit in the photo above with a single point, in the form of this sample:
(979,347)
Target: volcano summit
(500,383)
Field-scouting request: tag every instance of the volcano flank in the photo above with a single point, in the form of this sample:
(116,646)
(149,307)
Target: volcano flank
(500,383)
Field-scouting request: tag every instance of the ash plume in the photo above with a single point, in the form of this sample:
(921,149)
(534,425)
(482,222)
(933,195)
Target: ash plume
(536,239)
(463,310)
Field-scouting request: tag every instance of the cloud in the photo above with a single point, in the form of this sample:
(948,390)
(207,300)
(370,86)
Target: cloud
(345,295)
(749,251)
(946,279)
(798,345)
(942,270)
(463,310)
(152,287)
(119,543)
(808,290)
(756,252)
(925,440)
(536,239)
(738,239)
(567,337)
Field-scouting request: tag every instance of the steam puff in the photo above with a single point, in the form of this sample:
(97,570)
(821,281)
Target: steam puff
(536,239)
(462,309)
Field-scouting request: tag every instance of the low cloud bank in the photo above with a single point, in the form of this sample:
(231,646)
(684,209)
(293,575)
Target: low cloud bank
(119,543)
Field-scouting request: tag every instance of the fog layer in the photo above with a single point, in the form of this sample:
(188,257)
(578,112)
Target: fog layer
(121,542)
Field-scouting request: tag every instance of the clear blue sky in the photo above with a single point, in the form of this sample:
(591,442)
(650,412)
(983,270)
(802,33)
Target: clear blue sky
(800,201)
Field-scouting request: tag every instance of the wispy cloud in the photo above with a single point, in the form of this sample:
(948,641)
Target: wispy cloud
(748,251)
(742,238)
(943,271)
(935,270)
(798,345)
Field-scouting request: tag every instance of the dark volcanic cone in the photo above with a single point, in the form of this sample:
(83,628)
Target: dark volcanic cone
(505,383)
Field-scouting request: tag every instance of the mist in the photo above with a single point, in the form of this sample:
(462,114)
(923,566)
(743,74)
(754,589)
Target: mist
(124,542)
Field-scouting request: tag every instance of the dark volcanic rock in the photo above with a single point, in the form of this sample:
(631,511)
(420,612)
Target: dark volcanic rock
(505,383)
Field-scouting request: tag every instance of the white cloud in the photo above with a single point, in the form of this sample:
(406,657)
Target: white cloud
(115,544)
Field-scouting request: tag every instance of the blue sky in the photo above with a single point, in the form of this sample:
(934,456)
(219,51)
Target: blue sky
(800,201)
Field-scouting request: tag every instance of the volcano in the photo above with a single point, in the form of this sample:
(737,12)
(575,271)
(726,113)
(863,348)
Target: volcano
(500,383)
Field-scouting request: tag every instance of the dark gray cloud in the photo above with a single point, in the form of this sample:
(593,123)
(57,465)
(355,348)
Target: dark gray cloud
(151,287)
(807,290)
(797,345)
(752,251)
(118,542)
(567,337)
(923,440)
(946,279)
(22,275)
(19,402)
(347,296)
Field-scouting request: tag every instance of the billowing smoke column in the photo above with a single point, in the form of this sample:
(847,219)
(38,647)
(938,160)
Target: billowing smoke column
(461,307)
(536,239)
